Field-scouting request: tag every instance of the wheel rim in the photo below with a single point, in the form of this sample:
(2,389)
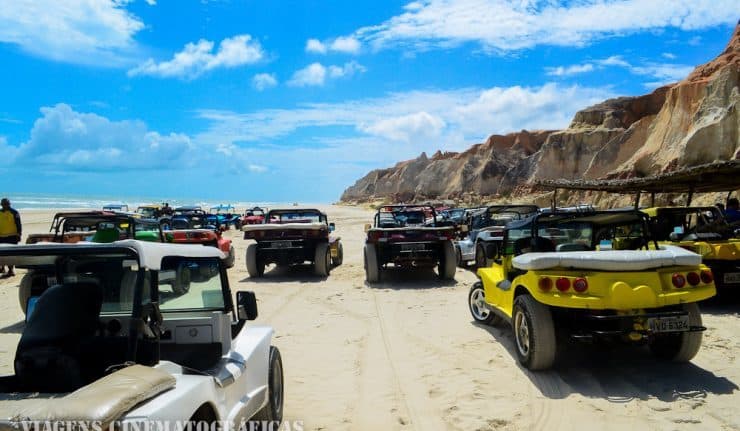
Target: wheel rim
(327,259)
(521,329)
(477,305)
(277,385)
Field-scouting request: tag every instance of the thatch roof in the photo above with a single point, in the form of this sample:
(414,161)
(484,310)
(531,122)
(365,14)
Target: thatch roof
(711,177)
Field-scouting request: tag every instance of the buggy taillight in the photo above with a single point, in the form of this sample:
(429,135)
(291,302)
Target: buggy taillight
(562,284)
(693,278)
(580,285)
(545,284)
(678,280)
(707,276)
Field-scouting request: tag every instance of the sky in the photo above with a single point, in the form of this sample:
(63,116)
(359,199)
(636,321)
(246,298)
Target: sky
(294,100)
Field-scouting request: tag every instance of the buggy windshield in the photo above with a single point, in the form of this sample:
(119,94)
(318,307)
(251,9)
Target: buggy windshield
(296,216)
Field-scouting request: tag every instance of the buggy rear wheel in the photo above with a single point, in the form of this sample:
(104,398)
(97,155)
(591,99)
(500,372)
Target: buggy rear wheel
(372,270)
(322,259)
(230,258)
(24,290)
(181,283)
(447,261)
(534,333)
(681,346)
(336,261)
(481,261)
(255,265)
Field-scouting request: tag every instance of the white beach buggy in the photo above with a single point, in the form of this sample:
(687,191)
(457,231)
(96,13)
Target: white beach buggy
(111,343)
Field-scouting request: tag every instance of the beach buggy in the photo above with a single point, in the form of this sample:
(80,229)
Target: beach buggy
(591,277)
(110,342)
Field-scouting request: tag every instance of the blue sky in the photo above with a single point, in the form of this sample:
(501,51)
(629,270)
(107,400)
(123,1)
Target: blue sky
(295,100)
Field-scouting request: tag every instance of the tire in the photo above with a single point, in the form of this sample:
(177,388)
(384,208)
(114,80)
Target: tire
(534,333)
(479,312)
(255,265)
(458,257)
(238,225)
(229,261)
(24,290)
(322,260)
(340,255)
(481,261)
(272,412)
(448,261)
(372,270)
(181,284)
(680,347)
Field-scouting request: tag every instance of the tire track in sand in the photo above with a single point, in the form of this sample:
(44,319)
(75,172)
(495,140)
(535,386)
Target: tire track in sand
(414,396)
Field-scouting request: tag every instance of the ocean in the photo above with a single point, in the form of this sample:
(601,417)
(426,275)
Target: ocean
(22,201)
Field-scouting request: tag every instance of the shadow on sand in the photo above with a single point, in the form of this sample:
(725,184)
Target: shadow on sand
(410,278)
(284,273)
(726,302)
(616,372)
(15,328)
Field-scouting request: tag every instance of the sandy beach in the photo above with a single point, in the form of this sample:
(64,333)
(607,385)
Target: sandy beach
(405,355)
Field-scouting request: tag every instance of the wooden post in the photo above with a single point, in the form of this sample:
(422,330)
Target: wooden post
(652,199)
(554,200)
(690,196)
(637,201)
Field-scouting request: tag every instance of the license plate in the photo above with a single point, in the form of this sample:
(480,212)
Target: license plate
(412,247)
(669,324)
(281,244)
(732,277)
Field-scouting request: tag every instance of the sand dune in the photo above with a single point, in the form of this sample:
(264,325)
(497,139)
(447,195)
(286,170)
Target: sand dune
(405,355)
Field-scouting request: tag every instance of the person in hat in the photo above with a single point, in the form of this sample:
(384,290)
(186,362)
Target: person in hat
(10,228)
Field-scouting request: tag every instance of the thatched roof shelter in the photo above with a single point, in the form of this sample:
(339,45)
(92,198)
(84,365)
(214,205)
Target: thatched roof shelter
(710,177)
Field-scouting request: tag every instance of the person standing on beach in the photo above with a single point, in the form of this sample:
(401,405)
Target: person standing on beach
(10,229)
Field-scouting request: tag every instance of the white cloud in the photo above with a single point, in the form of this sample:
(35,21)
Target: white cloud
(257,168)
(662,73)
(312,75)
(420,125)
(669,55)
(151,2)
(345,44)
(614,60)
(64,138)
(99,33)
(355,136)
(569,70)
(263,81)
(315,45)
(508,25)
(349,45)
(695,41)
(200,57)
(348,69)
(316,74)
(453,118)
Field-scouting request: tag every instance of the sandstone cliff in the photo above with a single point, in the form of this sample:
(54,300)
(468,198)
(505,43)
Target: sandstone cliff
(692,122)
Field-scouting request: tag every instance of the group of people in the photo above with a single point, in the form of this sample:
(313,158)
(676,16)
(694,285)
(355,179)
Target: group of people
(10,230)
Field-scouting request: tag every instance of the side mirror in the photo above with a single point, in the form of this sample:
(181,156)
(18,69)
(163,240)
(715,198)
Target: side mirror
(246,305)
(367,226)
(332,227)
